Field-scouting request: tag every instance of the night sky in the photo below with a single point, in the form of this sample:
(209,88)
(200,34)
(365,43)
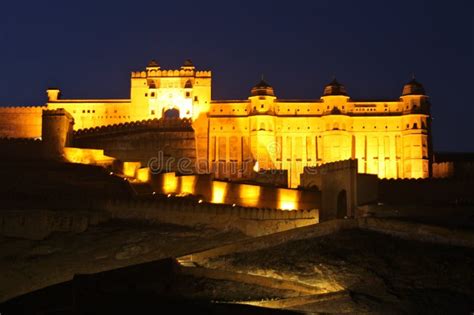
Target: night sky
(88,48)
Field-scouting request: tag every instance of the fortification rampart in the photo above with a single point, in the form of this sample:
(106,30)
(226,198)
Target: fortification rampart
(56,131)
(159,143)
(21,121)
(170,73)
(250,221)
(338,184)
(330,167)
(141,125)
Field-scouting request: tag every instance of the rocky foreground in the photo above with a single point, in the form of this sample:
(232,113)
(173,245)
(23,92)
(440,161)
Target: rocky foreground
(28,265)
(380,274)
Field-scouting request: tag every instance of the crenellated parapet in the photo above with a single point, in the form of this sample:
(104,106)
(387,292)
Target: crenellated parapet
(21,121)
(188,212)
(203,74)
(22,108)
(171,73)
(331,167)
(184,124)
(184,205)
(57,112)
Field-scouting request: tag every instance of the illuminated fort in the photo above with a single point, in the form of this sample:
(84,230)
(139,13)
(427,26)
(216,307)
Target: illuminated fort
(390,138)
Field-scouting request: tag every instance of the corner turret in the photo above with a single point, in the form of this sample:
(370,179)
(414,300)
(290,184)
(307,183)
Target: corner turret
(188,65)
(53,94)
(413,88)
(153,65)
(262,98)
(334,88)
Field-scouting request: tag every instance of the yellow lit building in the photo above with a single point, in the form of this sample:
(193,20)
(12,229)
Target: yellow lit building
(390,138)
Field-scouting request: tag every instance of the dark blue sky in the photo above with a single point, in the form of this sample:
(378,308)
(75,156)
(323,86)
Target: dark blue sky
(88,48)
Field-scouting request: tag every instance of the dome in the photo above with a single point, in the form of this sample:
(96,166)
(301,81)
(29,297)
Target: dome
(153,63)
(188,63)
(334,88)
(262,88)
(413,88)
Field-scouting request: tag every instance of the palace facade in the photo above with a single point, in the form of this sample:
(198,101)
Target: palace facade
(390,138)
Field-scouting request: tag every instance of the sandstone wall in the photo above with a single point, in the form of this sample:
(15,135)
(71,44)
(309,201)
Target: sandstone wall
(246,195)
(21,121)
(162,144)
(250,221)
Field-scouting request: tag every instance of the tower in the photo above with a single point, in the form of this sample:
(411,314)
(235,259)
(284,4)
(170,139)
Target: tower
(262,124)
(416,131)
(336,140)
(160,93)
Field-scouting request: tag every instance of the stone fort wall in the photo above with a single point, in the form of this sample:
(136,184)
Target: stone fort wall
(163,143)
(250,221)
(342,187)
(390,138)
(21,121)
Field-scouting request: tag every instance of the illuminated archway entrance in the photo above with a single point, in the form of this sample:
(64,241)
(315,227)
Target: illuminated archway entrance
(171,113)
(341,204)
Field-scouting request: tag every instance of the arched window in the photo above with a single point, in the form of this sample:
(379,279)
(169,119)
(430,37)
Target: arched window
(171,113)
(415,126)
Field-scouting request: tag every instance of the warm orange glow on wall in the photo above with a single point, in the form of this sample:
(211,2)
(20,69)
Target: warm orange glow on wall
(249,194)
(170,183)
(219,192)
(130,168)
(143,174)
(87,156)
(287,199)
(390,138)
(188,184)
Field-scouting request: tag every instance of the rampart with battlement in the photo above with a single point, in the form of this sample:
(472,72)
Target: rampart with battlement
(21,121)
(170,73)
(251,221)
(390,138)
(159,143)
(133,126)
(342,187)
